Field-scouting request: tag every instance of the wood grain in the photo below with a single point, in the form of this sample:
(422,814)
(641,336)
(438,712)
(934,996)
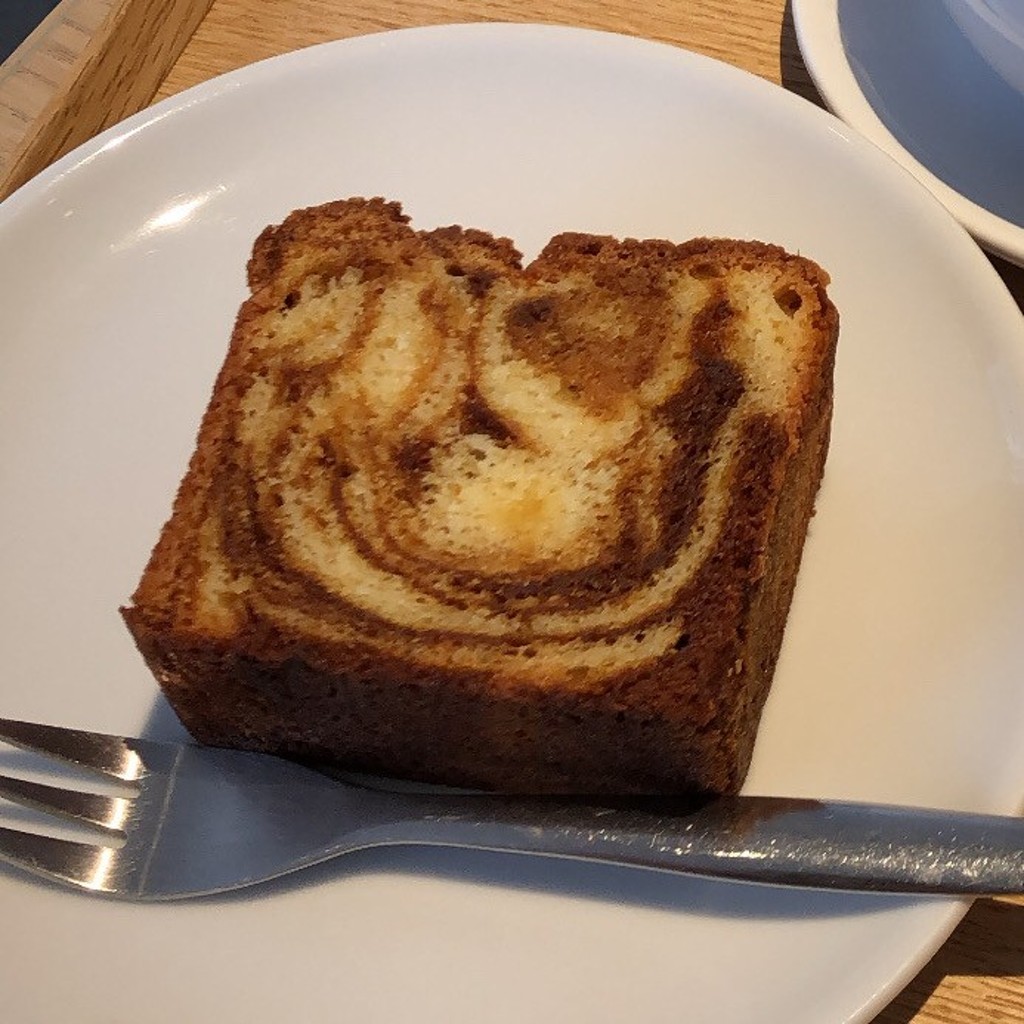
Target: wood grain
(236,32)
(978,975)
(41,68)
(87,66)
(976,978)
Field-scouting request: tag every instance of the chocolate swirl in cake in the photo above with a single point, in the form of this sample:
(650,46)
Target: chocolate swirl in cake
(419,451)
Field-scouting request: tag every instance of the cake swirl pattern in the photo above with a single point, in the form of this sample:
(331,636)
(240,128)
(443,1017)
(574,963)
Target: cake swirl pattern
(422,453)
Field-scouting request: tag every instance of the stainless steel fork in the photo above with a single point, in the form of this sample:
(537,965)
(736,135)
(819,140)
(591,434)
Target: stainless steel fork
(199,820)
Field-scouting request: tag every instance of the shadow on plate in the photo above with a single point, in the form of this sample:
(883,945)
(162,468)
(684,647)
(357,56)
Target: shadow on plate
(578,879)
(607,883)
(939,98)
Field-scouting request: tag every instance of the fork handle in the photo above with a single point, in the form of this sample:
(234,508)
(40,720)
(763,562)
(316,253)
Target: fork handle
(777,841)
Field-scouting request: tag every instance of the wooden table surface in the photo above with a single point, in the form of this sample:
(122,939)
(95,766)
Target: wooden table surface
(95,61)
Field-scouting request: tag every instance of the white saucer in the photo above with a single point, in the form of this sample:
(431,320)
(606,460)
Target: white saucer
(905,76)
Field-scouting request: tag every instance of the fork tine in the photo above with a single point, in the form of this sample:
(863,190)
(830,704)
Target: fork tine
(111,756)
(107,812)
(62,860)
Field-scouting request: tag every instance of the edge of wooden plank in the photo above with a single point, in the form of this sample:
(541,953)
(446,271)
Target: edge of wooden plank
(83,69)
(42,66)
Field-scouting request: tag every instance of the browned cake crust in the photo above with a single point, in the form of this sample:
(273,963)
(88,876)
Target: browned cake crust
(524,529)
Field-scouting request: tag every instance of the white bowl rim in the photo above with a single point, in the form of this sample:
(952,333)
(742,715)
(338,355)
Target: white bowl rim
(821,45)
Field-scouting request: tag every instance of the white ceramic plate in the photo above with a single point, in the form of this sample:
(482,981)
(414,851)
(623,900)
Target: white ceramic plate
(905,76)
(122,268)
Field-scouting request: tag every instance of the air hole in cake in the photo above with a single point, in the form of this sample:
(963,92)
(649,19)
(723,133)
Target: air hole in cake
(327,456)
(454,270)
(479,282)
(291,300)
(479,418)
(531,312)
(682,642)
(703,271)
(789,300)
(414,456)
